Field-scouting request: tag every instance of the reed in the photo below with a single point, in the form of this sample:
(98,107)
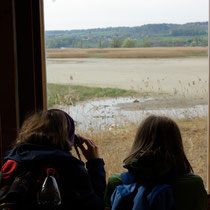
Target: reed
(153,52)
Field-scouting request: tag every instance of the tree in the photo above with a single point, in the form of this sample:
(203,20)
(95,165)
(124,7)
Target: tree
(81,43)
(52,43)
(105,44)
(116,42)
(193,43)
(100,44)
(146,42)
(129,43)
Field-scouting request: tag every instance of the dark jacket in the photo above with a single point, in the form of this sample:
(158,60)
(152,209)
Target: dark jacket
(80,188)
(188,189)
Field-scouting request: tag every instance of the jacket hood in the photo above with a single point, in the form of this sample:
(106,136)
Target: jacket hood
(32,153)
(149,168)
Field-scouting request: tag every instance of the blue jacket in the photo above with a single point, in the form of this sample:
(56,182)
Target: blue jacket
(80,188)
(139,196)
(188,189)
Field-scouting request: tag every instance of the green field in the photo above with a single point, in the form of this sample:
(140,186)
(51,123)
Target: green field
(70,94)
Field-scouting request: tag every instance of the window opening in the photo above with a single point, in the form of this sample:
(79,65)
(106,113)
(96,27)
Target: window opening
(109,72)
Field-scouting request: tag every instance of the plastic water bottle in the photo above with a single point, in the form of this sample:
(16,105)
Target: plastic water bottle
(49,195)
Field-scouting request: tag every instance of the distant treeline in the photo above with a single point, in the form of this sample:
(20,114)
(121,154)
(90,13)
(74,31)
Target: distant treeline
(150,35)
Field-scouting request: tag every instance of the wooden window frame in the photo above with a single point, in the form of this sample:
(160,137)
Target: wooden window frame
(22,75)
(208,139)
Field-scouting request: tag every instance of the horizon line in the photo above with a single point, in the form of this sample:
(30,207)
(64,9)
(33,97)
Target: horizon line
(123,26)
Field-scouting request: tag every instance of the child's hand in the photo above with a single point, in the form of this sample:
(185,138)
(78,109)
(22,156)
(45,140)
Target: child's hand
(92,150)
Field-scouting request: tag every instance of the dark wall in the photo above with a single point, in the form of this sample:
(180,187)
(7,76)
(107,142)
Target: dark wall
(9,116)
(22,75)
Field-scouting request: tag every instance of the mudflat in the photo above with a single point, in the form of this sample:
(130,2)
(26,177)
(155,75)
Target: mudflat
(172,77)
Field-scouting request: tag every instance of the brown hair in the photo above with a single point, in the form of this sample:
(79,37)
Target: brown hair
(161,137)
(45,127)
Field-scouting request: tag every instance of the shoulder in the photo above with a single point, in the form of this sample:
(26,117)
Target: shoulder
(189,192)
(189,180)
(115,180)
(189,184)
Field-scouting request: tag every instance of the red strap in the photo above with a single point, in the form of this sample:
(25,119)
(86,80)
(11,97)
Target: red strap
(8,168)
(50,171)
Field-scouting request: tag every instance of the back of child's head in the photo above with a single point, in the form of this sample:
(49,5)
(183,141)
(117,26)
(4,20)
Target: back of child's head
(160,136)
(49,127)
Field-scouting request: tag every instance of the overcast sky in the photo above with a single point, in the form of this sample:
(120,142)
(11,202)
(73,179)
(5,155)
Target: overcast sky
(85,14)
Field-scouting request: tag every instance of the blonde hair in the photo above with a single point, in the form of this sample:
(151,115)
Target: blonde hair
(46,128)
(161,137)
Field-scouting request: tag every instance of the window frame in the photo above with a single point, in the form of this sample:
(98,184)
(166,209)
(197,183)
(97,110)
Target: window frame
(23,84)
(208,139)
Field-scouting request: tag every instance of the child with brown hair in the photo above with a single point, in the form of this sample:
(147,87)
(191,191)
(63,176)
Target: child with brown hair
(46,138)
(157,157)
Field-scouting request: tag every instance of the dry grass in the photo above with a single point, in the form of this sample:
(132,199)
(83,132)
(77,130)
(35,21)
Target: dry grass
(114,144)
(155,52)
(194,133)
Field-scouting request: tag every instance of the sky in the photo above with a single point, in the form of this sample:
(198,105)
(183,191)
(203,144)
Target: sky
(86,14)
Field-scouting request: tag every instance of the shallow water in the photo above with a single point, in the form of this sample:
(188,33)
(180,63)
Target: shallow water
(107,113)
